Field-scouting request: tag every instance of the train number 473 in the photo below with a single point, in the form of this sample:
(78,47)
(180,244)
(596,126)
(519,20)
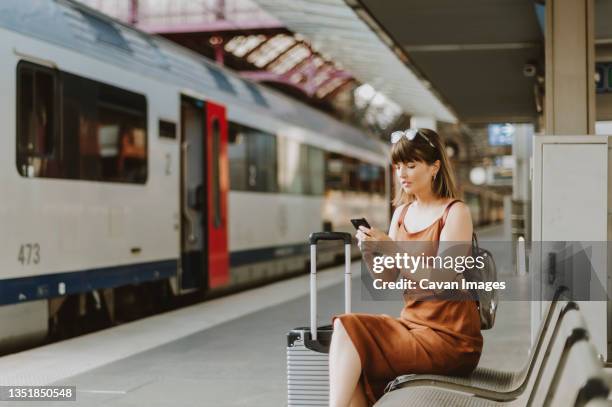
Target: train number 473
(29,253)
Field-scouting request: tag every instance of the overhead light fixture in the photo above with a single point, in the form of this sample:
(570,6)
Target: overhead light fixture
(478,175)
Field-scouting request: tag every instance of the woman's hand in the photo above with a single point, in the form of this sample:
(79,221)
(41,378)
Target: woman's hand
(371,250)
(365,234)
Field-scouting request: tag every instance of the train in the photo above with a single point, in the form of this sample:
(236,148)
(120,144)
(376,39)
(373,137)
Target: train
(129,161)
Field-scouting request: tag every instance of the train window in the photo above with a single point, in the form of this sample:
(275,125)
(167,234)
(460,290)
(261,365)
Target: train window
(106,32)
(301,168)
(220,79)
(252,159)
(113,141)
(345,173)
(167,129)
(292,157)
(255,93)
(380,182)
(78,128)
(351,167)
(316,171)
(121,140)
(366,173)
(334,175)
(216,189)
(262,162)
(371,178)
(36,124)
(237,154)
(104,130)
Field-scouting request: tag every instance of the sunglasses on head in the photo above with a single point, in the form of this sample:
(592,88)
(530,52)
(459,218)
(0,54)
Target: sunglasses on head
(410,134)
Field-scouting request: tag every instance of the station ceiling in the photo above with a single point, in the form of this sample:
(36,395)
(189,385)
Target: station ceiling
(452,60)
(473,51)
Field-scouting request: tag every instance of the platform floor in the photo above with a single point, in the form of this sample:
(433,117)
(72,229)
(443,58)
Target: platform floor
(226,352)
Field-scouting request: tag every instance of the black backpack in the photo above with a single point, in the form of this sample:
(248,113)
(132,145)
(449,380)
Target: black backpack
(487,301)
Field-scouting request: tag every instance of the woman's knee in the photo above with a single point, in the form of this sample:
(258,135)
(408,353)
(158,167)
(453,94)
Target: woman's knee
(340,330)
(338,324)
(341,336)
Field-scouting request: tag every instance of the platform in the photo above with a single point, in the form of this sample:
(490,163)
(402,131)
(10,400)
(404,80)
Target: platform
(225,352)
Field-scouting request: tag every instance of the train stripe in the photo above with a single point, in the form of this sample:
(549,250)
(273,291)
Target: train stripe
(54,285)
(245,257)
(32,288)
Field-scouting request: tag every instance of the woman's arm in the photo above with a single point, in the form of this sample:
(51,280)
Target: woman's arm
(458,224)
(374,242)
(455,240)
(372,236)
(394,220)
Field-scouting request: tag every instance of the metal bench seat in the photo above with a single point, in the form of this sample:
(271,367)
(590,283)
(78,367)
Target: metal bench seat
(578,380)
(491,383)
(570,375)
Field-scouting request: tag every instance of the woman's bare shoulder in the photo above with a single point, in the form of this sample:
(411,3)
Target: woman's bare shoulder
(458,208)
(396,214)
(395,219)
(459,214)
(459,218)
(399,209)
(459,211)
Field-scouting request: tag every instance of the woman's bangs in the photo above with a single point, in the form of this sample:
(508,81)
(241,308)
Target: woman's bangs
(404,152)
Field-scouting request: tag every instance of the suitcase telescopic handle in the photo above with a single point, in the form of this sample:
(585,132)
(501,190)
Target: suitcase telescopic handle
(314,238)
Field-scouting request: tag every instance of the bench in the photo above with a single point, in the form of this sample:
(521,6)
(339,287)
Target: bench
(491,383)
(570,374)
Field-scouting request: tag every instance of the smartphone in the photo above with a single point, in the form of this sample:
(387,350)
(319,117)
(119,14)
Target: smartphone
(360,222)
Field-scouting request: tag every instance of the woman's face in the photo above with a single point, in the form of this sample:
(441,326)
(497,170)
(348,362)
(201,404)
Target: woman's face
(415,176)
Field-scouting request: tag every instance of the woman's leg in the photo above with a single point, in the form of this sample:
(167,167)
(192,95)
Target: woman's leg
(344,369)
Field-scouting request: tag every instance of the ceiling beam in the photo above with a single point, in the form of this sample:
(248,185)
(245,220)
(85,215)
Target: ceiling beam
(471,47)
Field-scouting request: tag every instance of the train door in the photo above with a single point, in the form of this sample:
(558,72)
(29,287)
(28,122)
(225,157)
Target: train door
(204,185)
(218,179)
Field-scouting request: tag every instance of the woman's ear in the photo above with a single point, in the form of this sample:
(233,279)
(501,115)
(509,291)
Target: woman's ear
(436,166)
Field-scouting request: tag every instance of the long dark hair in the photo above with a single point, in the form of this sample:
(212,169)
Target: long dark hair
(418,149)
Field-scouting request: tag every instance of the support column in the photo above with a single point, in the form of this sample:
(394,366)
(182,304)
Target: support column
(133,12)
(570,67)
(521,183)
(568,169)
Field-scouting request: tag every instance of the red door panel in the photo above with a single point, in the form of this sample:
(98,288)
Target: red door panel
(218,187)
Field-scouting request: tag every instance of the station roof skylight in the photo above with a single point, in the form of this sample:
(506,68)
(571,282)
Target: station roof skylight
(335,29)
(289,56)
(274,55)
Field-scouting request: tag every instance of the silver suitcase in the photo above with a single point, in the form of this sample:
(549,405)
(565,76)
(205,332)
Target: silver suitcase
(308,347)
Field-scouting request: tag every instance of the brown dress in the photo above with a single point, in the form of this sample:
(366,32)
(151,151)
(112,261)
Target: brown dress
(435,336)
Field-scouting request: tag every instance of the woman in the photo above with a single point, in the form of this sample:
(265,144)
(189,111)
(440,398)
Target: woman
(432,336)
